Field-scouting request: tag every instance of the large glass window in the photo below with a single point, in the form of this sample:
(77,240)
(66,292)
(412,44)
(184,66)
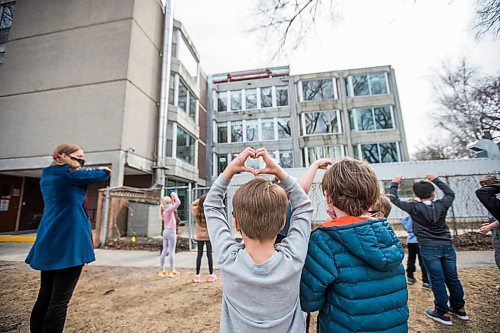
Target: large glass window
(183,97)
(284,128)
(368,84)
(380,152)
(267,129)
(235,100)
(185,146)
(318,152)
(222,101)
(251,98)
(266,97)
(320,122)
(186,57)
(368,119)
(282,96)
(286,159)
(252,130)
(317,90)
(222,133)
(236,131)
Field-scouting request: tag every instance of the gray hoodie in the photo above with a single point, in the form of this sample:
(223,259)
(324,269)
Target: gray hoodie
(260,297)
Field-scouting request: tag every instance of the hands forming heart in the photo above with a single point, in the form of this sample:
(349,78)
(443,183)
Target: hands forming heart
(238,164)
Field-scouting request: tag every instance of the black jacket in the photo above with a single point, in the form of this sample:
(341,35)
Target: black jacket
(429,221)
(487,196)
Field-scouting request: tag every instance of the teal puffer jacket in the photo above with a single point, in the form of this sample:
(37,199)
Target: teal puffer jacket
(354,276)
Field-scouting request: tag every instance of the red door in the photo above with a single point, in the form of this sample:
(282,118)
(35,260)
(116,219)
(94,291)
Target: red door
(10,196)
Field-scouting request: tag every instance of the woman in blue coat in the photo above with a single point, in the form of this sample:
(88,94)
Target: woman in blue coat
(64,238)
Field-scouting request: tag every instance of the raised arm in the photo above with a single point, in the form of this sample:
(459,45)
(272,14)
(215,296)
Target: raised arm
(393,196)
(306,180)
(215,211)
(84,177)
(487,196)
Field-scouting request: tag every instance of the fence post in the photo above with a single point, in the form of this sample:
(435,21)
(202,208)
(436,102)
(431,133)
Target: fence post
(190,201)
(454,218)
(104,231)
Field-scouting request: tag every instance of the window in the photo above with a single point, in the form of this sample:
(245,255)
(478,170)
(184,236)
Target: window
(368,119)
(222,101)
(236,131)
(315,153)
(286,159)
(185,146)
(222,133)
(267,129)
(320,122)
(317,90)
(282,96)
(379,152)
(183,96)
(171,89)
(252,130)
(192,106)
(367,84)
(284,128)
(235,100)
(266,97)
(186,57)
(6,16)
(221,163)
(251,98)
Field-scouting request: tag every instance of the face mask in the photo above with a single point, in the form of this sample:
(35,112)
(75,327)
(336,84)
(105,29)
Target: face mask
(79,160)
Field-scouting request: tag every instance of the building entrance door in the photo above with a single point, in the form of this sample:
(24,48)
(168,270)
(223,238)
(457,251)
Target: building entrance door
(10,197)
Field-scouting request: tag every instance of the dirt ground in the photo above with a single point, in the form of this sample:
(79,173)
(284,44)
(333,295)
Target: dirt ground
(116,299)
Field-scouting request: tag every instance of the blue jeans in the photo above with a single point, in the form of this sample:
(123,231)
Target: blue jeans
(441,264)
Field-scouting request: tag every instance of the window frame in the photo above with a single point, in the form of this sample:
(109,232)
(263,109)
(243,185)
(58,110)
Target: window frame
(303,122)
(358,153)
(353,113)
(350,87)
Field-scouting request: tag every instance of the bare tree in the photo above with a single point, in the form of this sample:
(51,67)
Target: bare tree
(469,110)
(291,21)
(487,18)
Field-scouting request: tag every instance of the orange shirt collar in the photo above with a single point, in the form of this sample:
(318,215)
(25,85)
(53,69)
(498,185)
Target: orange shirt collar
(344,220)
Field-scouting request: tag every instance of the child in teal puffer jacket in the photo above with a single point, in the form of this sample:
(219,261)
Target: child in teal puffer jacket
(353,272)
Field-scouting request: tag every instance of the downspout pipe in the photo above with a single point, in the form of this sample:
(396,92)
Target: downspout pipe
(168,24)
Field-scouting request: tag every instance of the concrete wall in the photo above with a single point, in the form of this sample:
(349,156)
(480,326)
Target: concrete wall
(85,72)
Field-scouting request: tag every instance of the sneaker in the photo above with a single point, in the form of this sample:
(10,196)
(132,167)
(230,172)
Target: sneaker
(197,278)
(411,280)
(163,273)
(440,318)
(211,277)
(173,273)
(426,285)
(459,313)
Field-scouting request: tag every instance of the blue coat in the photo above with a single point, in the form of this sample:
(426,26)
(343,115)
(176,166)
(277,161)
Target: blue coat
(354,276)
(64,237)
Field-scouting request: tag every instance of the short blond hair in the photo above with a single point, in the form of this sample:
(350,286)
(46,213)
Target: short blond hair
(351,186)
(259,206)
(382,205)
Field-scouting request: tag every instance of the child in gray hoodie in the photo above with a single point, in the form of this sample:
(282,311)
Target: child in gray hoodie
(260,281)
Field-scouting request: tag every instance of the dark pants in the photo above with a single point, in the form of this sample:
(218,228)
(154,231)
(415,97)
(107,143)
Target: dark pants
(56,289)
(441,264)
(413,253)
(209,256)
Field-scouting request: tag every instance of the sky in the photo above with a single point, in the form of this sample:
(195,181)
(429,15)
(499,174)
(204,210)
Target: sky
(413,36)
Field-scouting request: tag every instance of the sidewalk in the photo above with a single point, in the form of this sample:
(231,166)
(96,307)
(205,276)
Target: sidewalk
(12,251)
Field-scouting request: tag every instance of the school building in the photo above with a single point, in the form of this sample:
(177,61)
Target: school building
(122,79)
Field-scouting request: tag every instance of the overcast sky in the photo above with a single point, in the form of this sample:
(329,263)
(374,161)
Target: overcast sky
(414,37)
